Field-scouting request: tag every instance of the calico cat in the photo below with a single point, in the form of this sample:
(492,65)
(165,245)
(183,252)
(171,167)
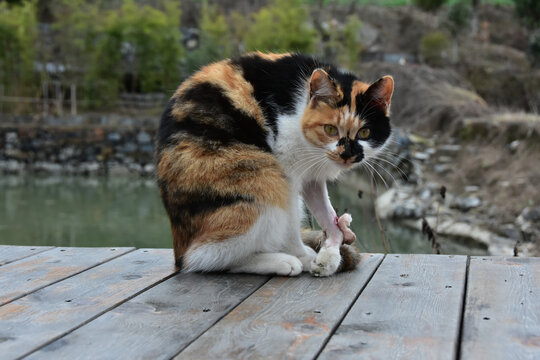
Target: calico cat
(243,141)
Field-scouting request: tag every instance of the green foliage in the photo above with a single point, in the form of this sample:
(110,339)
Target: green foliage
(139,40)
(76,29)
(353,47)
(429,5)
(458,16)
(343,45)
(529,11)
(281,27)
(215,39)
(435,48)
(18,29)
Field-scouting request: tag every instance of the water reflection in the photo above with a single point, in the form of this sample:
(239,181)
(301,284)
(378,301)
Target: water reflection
(77,211)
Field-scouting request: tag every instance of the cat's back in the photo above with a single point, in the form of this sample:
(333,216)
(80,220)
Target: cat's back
(214,159)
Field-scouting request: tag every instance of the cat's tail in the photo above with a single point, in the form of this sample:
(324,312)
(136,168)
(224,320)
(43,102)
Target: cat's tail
(350,255)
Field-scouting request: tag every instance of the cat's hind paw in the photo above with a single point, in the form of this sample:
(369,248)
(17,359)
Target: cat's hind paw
(289,266)
(327,262)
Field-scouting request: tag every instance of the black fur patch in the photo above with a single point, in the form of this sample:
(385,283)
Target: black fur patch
(214,119)
(168,126)
(376,119)
(351,148)
(276,82)
(187,204)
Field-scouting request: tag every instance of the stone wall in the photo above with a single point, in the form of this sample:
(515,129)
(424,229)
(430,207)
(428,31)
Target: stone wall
(77,149)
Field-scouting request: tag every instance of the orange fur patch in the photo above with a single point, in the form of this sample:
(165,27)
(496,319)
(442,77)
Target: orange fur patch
(235,170)
(270,56)
(228,78)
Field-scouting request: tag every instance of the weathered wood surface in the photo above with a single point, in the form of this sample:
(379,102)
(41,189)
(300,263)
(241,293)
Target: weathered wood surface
(502,311)
(10,253)
(287,318)
(159,323)
(137,306)
(29,274)
(35,320)
(410,309)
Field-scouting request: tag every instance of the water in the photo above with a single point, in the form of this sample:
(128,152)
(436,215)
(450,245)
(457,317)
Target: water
(113,212)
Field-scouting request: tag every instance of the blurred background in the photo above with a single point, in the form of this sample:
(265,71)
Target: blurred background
(83,83)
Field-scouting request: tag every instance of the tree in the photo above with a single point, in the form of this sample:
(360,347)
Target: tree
(18,30)
(281,27)
(215,39)
(143,42)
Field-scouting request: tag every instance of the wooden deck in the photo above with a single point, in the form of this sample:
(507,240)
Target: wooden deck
(124,303)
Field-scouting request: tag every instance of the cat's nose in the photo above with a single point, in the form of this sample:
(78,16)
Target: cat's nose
(350,149)
(347,148)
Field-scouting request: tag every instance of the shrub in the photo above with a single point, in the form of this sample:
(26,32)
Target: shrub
(458,16)
(529,11)
(434,48)
(429,5)
(534,46)
(281,27)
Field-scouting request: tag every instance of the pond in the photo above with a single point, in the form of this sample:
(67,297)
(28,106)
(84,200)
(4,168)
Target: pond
(127,211)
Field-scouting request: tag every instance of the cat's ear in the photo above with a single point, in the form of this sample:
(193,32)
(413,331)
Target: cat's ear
(322,87)
(380,93)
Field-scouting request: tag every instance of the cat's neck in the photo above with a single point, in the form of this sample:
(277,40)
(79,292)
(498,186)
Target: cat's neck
(301,161)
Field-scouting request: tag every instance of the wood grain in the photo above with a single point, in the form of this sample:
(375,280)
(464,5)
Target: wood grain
(158,323)
(10,253)
(411,309)
(502,310)
(32,273)
(47,314)
(287,318)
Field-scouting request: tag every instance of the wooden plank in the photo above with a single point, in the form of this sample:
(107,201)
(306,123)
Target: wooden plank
(158,323)
(286,318)
(10,253)
(502,310)
(47,314)
(411,309)
(33,273)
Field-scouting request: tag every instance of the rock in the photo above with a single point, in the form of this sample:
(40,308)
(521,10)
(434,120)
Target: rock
(472,188)
(449,148)
(513,146)
(425,194)
(12,138)
(465,203)
(422,156)
(445,159)
(144,138)
(442,168)
(531,214)
(149,168)
(114,137)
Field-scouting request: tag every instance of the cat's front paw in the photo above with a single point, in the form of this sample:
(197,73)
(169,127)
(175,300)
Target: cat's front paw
(327,262)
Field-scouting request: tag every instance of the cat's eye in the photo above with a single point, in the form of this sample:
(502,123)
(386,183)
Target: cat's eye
(364,133)
(330,130)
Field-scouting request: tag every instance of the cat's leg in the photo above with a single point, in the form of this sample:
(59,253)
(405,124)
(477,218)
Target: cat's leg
(293,243)
(258,251)
(328,259)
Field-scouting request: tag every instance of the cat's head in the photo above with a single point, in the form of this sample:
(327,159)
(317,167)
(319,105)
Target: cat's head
(346,118)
